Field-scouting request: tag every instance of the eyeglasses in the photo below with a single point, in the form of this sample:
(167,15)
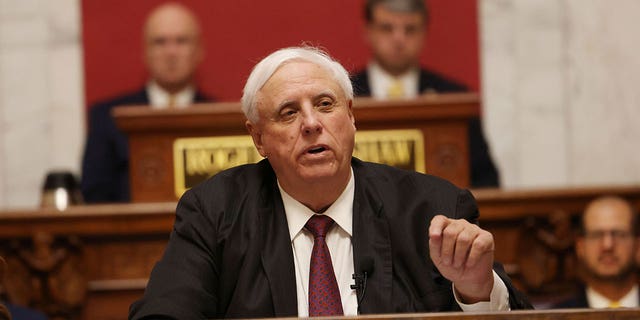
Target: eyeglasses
(616,235)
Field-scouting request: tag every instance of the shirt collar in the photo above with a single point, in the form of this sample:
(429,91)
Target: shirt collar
(379,81)
(341,211)
(159,98)
(596,300)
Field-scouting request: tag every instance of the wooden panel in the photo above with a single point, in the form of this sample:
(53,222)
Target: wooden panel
(103,254)
(88,262)
(441,118)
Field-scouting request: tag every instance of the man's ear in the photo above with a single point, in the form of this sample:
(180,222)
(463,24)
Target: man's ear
(256,136)
(353,118)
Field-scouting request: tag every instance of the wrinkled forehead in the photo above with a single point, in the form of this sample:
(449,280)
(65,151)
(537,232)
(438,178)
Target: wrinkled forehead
(299,73)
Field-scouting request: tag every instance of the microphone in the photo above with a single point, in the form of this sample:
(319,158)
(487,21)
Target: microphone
(366,269)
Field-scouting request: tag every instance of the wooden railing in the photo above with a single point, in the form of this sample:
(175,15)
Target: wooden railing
(92,261)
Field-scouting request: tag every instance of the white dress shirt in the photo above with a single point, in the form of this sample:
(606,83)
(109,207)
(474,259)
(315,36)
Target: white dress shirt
(159,98)
(380,80)
(338,240)
(341,249)
(596,300)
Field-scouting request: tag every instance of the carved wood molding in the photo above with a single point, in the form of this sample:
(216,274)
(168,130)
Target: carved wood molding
(545,256)
(45,272)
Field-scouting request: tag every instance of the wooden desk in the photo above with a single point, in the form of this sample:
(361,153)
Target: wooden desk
(442,119)
(579,314)
(95,259)
(88,262)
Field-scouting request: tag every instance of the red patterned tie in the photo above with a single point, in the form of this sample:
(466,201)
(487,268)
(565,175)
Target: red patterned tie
(324,295)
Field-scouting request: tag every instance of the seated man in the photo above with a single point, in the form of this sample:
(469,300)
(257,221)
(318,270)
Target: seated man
(395,32)
(283,237)
(606,249)
(172,53)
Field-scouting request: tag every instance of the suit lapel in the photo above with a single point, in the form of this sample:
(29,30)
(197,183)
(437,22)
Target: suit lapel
(371,241)
(277,255)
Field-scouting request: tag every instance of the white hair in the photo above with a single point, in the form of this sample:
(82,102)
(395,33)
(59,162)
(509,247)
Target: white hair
(269,65)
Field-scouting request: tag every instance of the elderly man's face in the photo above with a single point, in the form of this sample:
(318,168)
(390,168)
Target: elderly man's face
(172,47)
(306,126)
(608,248)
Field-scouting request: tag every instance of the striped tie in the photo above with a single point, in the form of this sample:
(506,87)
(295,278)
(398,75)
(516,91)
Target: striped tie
(324,295)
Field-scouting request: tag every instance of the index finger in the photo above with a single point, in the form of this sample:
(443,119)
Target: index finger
(438,223)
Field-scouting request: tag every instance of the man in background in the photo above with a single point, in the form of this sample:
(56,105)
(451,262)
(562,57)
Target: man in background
(607,248)
(395,32)
(172,52)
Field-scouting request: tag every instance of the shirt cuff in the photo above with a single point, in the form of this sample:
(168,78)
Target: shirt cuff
(498,299)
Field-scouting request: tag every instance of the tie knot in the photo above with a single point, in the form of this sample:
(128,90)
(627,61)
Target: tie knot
(319,225)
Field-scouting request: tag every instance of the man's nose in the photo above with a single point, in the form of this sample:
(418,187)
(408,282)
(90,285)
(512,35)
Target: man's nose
(399,34)
(311,123)
(607,240)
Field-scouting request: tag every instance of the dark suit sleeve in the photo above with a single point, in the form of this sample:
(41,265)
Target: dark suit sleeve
(483,170)
(105,160)
(578,300)
(183,283)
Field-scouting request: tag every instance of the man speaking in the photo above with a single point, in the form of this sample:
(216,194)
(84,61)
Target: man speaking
(284,237)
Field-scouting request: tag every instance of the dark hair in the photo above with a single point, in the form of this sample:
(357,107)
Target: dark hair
(634,212)
(405,6)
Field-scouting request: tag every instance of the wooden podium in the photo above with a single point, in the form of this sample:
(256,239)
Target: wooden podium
(441,119)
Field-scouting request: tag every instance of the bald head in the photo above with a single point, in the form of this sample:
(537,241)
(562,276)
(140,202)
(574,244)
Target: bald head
(172,46)
(609,207)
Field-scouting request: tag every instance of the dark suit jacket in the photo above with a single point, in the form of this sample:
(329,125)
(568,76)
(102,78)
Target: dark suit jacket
(483,171)
(105,164)
(579,300)
(230,256)
(23,313)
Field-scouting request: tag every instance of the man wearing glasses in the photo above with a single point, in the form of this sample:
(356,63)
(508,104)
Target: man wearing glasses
(606,249)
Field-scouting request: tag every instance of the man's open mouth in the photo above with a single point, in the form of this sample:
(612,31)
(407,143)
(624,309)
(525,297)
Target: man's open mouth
(316,150)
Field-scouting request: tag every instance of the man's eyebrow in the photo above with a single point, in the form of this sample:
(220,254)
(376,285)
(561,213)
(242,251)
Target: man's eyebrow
(326,93)
(285,104)
(322,94)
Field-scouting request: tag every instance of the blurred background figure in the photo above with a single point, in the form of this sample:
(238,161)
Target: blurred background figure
(395,32)
(173,51)
(606,249)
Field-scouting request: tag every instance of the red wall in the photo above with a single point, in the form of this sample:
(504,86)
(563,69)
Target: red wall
(238,33)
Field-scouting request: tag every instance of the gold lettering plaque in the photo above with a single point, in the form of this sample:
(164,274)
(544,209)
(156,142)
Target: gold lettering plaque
(196,159)
(397,148)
